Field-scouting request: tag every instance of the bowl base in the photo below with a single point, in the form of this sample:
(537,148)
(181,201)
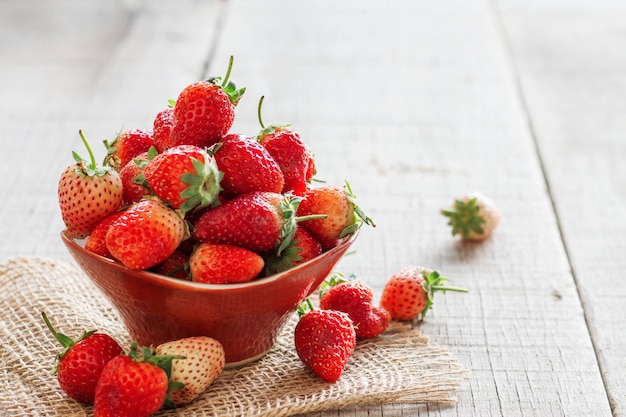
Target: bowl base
(244,362)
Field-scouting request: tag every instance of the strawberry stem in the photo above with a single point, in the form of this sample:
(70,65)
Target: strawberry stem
(258,112)
(228,70)
(92,157)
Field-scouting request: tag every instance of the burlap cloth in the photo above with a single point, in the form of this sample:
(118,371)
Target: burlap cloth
(400,367)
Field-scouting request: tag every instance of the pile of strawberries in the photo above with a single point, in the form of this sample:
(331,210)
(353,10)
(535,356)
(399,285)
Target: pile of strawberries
(191,199)
(95,370)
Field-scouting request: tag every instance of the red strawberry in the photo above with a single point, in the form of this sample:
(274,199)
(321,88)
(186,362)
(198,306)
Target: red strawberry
(216,263)
(184,176)
(126,146)
(302,248)
(96,241)
(409,292)
(145,234)
(176,266)
(132,386)
(324,340)
(290,152)
(247,166)
(162,129)
(81,362)
(344,217)
(205,111)
(473,217)
(87,194)
(133,179)
(203,362)
(354,298)
(258,221)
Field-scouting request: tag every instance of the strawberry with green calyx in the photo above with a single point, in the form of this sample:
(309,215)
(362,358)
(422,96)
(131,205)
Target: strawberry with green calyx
(473,217)
(126,146)
(87,193)
(324,340)
(292,155)
(203,363)
(81,361)
(205,111)
(217,263)
(246,166)
(409,292)
(258,221)
(133,177)
(146,234)
(134,385)
(354,298)
(344,216)
(184,176)
(303,247)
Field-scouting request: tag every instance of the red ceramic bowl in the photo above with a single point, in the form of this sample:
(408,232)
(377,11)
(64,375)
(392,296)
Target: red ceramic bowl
(246,318)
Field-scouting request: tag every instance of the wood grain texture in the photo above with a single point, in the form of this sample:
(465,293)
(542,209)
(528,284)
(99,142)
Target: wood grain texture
(571,72)
(414,103)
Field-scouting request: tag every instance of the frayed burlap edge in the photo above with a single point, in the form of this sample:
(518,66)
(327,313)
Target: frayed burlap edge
(400,366)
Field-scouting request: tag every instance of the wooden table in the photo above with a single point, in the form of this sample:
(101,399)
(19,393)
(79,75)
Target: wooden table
(414,102)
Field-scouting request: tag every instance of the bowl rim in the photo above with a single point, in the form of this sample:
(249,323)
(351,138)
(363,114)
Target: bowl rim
(73,243)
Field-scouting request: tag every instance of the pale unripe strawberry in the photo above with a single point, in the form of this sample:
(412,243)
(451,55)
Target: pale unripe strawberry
(87,194)
(473,217)
(204,362)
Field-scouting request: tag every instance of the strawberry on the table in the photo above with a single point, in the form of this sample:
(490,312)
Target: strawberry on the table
(473,217)
(409,292)
(202,363)
(81,361)
(324,341)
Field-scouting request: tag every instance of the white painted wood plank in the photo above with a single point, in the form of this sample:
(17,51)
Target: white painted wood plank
(69,65)
(573,79)
(414,102)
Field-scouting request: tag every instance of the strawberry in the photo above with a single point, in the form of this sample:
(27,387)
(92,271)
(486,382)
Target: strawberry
(176,266)
(184,176)
(162,129)
(87,193)
(409,292)
(134,182)
(354,298)
(81,362)
(290,152)
(203,362)
(473,217)
(216,263)
(343,218)
(258,221)
(247,166)
(126,146)
(96,241)
(145,234)
(205,111)
(133,385)
(302,248)
(324,341)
